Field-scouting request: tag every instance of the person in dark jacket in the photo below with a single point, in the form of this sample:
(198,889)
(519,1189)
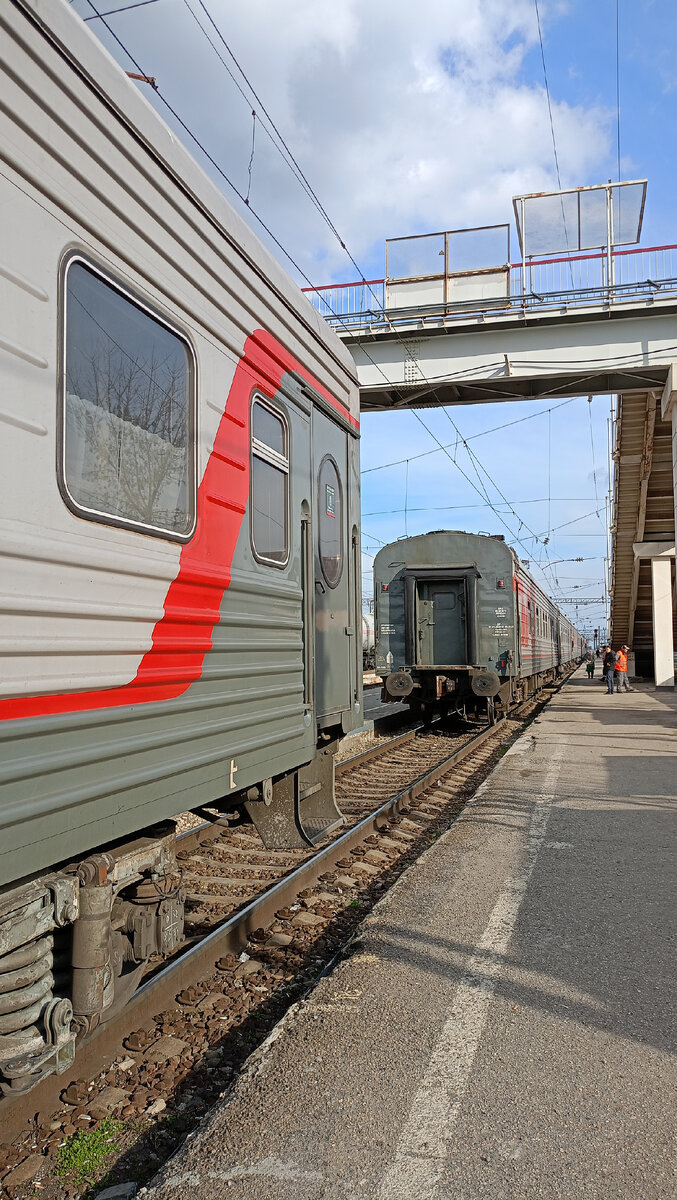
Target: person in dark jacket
(609,669)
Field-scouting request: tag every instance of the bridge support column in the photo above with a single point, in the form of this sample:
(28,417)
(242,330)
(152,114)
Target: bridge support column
(661,555)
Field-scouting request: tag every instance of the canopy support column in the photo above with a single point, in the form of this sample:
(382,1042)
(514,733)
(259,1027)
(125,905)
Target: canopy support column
(661,555)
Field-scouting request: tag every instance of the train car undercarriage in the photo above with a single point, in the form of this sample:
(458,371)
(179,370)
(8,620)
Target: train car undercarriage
(469,692)
(76,942)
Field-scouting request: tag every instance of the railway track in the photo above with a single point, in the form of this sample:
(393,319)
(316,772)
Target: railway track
(262,925)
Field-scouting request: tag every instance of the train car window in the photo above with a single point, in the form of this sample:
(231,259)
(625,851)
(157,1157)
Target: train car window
(331,521)
(128,438)
(270,485)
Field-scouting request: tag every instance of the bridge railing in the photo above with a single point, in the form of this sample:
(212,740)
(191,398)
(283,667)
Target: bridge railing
(349,300)
(545,283)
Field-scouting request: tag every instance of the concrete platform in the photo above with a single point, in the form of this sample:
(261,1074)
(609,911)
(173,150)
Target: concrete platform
(502,1029)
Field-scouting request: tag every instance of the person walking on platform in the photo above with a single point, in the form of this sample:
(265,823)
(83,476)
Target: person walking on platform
(622,670)
(609,669)
(590,666)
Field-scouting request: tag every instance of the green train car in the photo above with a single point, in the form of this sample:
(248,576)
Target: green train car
(462,626)
(179,537)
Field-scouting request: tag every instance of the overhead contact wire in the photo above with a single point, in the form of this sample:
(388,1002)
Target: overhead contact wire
(552,131)
(286,253)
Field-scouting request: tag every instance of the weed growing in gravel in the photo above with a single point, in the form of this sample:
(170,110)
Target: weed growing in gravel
(83,1154)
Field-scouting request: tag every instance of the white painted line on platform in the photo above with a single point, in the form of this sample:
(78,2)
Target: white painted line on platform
(265,1168)
(423,1145)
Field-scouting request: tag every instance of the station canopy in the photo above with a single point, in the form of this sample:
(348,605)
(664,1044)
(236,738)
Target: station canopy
(585,218)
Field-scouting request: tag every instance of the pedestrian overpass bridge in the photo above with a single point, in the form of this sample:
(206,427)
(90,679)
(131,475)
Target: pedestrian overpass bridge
(560,332)
(568,325)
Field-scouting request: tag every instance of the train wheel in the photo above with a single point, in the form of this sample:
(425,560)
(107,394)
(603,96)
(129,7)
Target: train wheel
(491,710)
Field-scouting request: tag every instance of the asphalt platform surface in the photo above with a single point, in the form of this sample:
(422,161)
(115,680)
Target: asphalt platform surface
(503,1027)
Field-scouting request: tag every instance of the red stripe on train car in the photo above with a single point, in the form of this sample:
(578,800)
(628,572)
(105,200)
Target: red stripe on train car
(183,635)
(288,363)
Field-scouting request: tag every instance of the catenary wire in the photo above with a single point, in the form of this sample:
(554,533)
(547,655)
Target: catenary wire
(285,151)
(295,166)
(302,273)
(270,134)
(594,512)
(473,458)
(126,8)
(592,451)
(471,437)
(194,138)
(476,463)
(547,93)
(425,379)
(618,94)
(552,131)
(469,480)
(549,474)
(312,194)
(465,507)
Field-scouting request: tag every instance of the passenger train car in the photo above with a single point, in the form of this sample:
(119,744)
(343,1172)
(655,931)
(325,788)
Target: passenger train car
(460,624)
(179,535)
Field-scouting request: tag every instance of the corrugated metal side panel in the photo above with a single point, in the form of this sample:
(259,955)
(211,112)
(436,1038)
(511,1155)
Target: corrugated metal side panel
(89,595)
(72,781)
(542,654)
(95,188)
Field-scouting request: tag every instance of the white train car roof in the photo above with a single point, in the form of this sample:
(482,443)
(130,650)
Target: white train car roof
(61,97)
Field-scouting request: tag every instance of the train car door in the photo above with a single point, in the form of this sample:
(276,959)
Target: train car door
(335,631)
(518,626)
(441,629)
(526,630)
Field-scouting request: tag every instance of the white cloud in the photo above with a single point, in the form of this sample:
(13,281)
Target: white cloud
(404,117)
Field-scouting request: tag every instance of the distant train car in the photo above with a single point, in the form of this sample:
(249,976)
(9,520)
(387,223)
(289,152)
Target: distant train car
(368,644)
(179,535)
(460,624)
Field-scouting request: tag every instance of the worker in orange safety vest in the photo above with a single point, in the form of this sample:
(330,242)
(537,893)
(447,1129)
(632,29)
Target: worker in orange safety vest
(622,670)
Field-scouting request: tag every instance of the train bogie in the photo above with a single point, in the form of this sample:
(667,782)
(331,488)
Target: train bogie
(179,536)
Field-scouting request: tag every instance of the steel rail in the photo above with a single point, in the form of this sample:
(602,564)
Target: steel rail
(377,750)
(159,990)
(210,830)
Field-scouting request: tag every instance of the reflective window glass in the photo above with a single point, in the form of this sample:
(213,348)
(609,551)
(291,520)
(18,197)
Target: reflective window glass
(269,511)
(270,473)
(330,522)
(268,429)
(128,436)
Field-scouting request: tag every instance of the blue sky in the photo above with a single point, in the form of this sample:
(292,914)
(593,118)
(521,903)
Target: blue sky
(411,118)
